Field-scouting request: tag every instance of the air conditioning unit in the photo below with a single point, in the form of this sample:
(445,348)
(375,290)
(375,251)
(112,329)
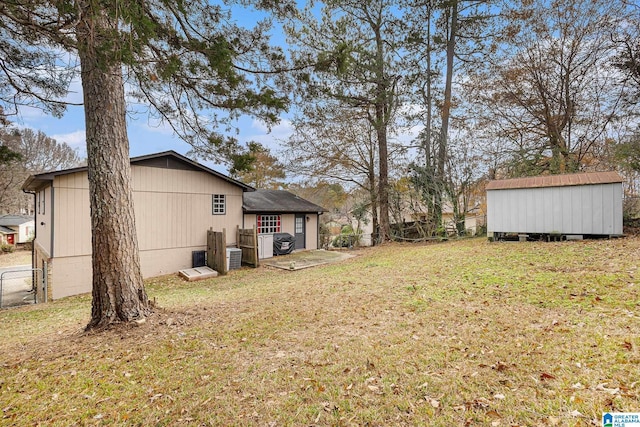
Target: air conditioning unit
(234,258)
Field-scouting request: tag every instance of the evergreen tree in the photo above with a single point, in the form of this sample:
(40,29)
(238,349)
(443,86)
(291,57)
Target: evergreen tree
(186,60)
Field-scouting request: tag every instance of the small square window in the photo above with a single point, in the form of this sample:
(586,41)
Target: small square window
(219,206)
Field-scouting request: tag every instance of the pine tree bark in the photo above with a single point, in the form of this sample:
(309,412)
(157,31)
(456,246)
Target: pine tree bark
(118,288)
(446,112)
(382,107)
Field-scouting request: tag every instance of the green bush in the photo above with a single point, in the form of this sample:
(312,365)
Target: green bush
(7,249)
(347,238)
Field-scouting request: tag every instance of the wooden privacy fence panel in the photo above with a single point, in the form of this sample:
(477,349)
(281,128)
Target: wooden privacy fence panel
(248,242)
(217,250)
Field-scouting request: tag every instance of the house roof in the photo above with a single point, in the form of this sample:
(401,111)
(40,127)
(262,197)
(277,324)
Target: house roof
(5,230)
(588,178)
(262,201)
(14,220)
(166,160)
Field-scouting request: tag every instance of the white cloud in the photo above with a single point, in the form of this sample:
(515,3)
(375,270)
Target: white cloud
(76,139)
(284,128)
(151,125)
(270,139)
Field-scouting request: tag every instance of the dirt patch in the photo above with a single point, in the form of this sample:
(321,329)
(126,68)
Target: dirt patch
(306,259)
(19,257)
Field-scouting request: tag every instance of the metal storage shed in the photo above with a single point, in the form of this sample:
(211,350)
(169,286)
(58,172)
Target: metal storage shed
(571,206)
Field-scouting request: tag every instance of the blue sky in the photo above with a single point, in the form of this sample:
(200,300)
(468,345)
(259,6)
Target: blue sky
(145,137)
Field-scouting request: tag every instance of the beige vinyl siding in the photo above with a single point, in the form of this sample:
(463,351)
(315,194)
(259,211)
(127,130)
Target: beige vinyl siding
(174,207)
(288,224)
(311,231)
(70,276)
(166,261)
(173,211)
(177,217)
(250,221)
(71,215)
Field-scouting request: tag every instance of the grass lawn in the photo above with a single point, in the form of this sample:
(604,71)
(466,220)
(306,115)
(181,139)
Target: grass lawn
(466,333)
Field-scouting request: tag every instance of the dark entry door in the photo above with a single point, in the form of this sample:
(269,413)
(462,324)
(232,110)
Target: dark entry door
(300,230)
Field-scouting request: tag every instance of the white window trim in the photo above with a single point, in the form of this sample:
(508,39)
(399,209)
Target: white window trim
(218,204)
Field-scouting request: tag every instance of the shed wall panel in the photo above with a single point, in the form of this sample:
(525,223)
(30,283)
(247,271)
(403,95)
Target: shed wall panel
(587,209)
(597,214)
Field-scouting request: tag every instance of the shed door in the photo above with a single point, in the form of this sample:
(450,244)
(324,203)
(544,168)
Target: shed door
(300,230)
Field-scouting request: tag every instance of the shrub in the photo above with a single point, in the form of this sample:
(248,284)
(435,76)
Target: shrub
(7,249)
(347,238)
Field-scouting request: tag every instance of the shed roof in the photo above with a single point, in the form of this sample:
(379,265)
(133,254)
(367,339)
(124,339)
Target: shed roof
(14,220)
(587,178)
(281,201)
(166,159)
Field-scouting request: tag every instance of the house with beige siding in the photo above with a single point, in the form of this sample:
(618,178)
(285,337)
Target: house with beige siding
(176,200)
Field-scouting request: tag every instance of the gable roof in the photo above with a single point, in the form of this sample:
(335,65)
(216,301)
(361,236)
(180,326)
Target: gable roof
(5,230)
(166,160)
(14,220)
(587,178)
(280,201)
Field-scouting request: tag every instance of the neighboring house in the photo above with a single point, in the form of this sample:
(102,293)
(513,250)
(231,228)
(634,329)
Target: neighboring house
(473,220)
(570,205)
(278,211)
(16,229)
(176,200)
(334,226)
(7,236)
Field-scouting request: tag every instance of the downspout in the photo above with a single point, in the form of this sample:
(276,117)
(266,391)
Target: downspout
(318,243)
(33,242)
(52,221)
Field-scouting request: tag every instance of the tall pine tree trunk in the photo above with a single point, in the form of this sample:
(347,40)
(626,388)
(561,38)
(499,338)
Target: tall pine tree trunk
(383,175)
(382,111)
(118,289)
(446,111)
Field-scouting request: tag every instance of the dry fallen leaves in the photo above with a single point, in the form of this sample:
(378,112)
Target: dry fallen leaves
(546,376)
